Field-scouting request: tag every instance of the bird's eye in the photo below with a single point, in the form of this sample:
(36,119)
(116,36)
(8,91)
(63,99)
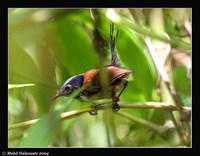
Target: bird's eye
(68,87)
(67,90)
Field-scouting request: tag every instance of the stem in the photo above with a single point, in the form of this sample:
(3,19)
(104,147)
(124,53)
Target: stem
(159,129)
(184,116)
(66,115)
(141,30)
(162,73)
(178,129)
(73,113)
(23,124)
(154,105)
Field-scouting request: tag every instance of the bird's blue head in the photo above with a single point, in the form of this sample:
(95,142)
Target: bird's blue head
(72,84)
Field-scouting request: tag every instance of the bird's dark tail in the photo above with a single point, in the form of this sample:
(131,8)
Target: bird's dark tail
(114,59)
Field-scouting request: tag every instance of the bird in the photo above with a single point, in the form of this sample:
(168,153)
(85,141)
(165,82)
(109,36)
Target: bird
(101,82)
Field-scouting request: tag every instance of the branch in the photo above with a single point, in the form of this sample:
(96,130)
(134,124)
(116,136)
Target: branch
(184,115)
(161,130)
(154,105)
(141,30)
(137,105)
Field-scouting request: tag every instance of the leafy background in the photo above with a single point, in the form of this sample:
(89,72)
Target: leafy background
(47,46)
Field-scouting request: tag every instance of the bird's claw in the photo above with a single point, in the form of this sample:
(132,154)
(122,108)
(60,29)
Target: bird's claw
(94,111)
(115,107)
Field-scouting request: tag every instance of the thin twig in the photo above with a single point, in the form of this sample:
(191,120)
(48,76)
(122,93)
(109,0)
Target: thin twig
(23,124)
(154,105)
(137,105)
(178,128)
(184,116)
(163,74)
(173,42)
(161,130)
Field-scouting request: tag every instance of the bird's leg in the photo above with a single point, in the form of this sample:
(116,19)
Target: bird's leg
(124,87)
(115,99)
(115,105)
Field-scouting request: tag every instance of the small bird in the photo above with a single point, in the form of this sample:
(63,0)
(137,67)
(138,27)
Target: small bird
(114,75)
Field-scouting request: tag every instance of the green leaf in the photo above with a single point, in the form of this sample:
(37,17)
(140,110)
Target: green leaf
(76,52)
(41,133)
(180,78)
(136,58)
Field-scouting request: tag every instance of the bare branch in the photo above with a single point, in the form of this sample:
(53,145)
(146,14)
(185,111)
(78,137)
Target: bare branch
(137,105)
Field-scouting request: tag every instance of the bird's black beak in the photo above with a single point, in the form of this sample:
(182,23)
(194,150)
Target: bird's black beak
(56,96)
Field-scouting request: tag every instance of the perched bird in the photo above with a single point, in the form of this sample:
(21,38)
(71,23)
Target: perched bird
(105,82)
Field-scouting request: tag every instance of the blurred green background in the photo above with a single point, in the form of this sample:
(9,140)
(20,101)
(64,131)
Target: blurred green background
(47,46)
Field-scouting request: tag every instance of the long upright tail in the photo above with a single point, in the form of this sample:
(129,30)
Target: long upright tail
(114,59)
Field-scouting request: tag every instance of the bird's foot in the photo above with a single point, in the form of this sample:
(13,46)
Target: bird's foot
(115,107)
(94,111)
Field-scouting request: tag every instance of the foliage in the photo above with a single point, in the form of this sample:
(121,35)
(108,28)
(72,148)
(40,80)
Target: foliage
(47,46)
